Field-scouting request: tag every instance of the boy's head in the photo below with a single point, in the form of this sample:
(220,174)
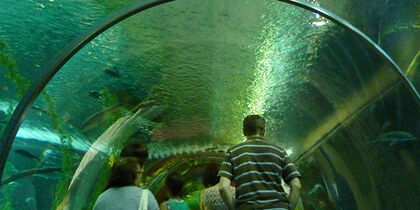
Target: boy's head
(175,183)
(254,125)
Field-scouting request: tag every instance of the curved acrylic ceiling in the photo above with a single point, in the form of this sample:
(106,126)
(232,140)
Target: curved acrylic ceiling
(306,75)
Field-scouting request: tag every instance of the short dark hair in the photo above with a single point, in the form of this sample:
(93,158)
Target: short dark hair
(210,177)
(136,150)
(123,172)
(252,124)
(175,182)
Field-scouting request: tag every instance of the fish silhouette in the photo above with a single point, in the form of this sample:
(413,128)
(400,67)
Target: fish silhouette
(394,137)
(27,154)
(114,72)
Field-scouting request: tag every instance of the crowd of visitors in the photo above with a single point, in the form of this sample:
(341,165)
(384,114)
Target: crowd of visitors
(250,177)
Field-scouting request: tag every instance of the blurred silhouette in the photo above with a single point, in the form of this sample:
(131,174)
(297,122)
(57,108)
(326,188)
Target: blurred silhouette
(175,183)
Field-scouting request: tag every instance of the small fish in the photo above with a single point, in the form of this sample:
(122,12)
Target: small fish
(27,154)
(39,109)
(317,187)
(41,176)
(29,200)
(4,88)
(387,125)
(95,94)
(114,73)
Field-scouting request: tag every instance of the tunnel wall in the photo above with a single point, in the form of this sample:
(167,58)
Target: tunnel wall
(327,155)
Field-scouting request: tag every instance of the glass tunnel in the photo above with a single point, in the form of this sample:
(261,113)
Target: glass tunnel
(341,107)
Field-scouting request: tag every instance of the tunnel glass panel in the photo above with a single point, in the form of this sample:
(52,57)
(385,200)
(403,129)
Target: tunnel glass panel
(393,25)
(32,33)
(196,69)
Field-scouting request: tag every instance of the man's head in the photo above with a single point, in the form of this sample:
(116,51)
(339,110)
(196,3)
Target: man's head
(254,125)
(137,151)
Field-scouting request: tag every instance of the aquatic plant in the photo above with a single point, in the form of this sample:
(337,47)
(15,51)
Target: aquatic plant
(8,198)
(12,71)
(22,83)
(66,141)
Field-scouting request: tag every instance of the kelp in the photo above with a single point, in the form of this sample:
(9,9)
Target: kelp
(12,71)
(67,166)
(22,83)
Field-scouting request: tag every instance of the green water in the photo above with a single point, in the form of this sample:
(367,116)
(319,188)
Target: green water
(208,64)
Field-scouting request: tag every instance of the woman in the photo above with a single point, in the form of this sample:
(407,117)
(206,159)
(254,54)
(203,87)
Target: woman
(210,198)
(174,182)
(122,192)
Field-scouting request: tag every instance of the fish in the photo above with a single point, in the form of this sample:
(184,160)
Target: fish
(35,171)
(387,125)
(39,109)
(316,189)
(394,137)
(27,154)
(126,101)
(95,94)
(100,117)
(4,88)
(114,73)
(91,165)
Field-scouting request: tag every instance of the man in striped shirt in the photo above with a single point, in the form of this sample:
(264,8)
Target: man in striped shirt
(257,167)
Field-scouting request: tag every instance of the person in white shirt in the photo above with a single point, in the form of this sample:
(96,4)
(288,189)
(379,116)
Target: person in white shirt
(122,191)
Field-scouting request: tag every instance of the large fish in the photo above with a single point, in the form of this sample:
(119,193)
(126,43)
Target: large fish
(101,117)
(98,156)
(394,137)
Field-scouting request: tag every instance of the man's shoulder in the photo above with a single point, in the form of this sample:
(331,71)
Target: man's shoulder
(274,145)
(257,142)
(240,145)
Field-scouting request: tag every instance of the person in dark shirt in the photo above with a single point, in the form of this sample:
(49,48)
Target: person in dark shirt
(257,167)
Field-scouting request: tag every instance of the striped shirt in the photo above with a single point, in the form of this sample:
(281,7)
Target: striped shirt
(257,168)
